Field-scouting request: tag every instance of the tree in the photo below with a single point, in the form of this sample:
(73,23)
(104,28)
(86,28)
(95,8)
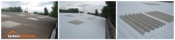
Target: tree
(46,11)
(54,12)
(38,13)
(109,10)
(104,12)
(35,12)
(96,12)
(70,10)
(18,9)
(12,9)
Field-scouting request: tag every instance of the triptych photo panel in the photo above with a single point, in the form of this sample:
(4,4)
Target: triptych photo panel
(87,20)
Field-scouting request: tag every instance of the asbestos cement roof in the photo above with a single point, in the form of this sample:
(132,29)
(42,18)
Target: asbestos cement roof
(148,20)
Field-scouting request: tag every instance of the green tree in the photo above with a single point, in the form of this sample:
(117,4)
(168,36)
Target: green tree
(18,9)
(35,12)
(46,11)
(12,9)
(105,11)
(54,12)
(96,12)
(38,13)
(109,10)
(70,10)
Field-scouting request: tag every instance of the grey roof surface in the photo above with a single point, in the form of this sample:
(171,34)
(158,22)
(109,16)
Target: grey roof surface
(26,23)
(145,20)
(81,26)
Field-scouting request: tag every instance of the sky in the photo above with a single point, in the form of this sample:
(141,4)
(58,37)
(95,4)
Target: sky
(89,6)
(31,6)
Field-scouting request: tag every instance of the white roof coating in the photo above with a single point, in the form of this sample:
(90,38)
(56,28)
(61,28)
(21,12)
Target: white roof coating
(2,15)
(21,14)
(9,24)
(125,31)
(33,18)
(81,26)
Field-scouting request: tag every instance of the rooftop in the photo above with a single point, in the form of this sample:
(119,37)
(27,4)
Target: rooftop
(81,26)
(25,23)
(148,20)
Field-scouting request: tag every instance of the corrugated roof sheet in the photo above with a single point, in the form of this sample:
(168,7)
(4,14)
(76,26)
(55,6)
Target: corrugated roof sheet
(145,20)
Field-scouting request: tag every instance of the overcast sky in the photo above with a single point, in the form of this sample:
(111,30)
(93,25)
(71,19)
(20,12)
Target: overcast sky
(32,6)
(89,6)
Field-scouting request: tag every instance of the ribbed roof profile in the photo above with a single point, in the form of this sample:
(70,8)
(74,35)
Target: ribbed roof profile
(145,20)
(145,23)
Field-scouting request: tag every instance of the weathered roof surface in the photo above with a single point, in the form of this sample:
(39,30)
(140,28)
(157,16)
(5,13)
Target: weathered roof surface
(26,23)
(81,26)
(145,20)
